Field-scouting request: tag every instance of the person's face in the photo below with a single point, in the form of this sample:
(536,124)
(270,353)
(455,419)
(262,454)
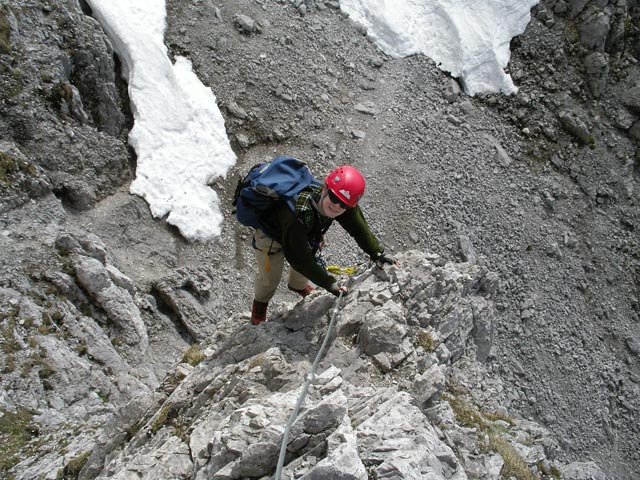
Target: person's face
(331,205)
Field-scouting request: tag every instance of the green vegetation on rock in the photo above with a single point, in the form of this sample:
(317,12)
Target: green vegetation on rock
(16,432)
(193,355)
(5,32)
(514,465)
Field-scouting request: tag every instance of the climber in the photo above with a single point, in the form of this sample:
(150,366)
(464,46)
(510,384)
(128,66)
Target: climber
(301,235)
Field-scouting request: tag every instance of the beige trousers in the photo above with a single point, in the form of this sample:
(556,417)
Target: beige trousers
(270,260)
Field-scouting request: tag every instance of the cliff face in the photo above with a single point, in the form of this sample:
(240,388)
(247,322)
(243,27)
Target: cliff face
(125,348)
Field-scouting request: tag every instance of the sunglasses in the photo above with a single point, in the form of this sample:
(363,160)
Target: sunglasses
(335,200)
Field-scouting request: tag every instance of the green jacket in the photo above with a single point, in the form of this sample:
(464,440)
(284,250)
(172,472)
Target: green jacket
(302,232)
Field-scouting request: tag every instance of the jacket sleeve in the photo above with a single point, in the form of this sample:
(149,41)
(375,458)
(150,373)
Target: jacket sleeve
(356,225)
(297,251)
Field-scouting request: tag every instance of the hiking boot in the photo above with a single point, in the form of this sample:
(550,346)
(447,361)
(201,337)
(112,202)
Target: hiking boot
(258,312)
(305,291)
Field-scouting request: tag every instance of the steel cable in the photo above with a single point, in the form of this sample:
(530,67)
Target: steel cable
(305,388)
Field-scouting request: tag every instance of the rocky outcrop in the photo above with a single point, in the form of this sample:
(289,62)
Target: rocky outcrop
(540,186)
(61,370)
(227,417)
(109,288)
(75,345)
(62,105)
(184,293)
(22,179)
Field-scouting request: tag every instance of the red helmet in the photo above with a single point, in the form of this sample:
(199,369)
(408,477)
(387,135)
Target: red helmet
(347,184)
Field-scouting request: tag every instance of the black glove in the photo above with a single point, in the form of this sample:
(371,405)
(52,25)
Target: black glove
(382,259)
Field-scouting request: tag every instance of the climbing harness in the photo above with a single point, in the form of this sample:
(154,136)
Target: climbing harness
(310,377)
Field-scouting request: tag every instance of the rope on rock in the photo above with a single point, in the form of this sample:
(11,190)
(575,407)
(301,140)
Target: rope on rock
(341,270)
(305,388)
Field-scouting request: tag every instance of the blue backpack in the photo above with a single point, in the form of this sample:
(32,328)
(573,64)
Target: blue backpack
(269,183)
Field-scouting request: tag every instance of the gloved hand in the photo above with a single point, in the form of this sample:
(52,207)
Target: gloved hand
(382,258)
(337,289)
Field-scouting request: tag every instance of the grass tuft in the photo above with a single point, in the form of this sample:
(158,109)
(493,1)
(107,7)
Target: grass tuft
(160,419)
(73,468)
(425,339)
(193,355)
(469,416)
(514,464)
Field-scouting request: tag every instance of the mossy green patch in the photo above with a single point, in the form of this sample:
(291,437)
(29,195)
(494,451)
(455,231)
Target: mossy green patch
(8,342)
(9,364)
(5,32)
(8,166)
(65,92)
(60,94)
(160,419)
(16,431)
